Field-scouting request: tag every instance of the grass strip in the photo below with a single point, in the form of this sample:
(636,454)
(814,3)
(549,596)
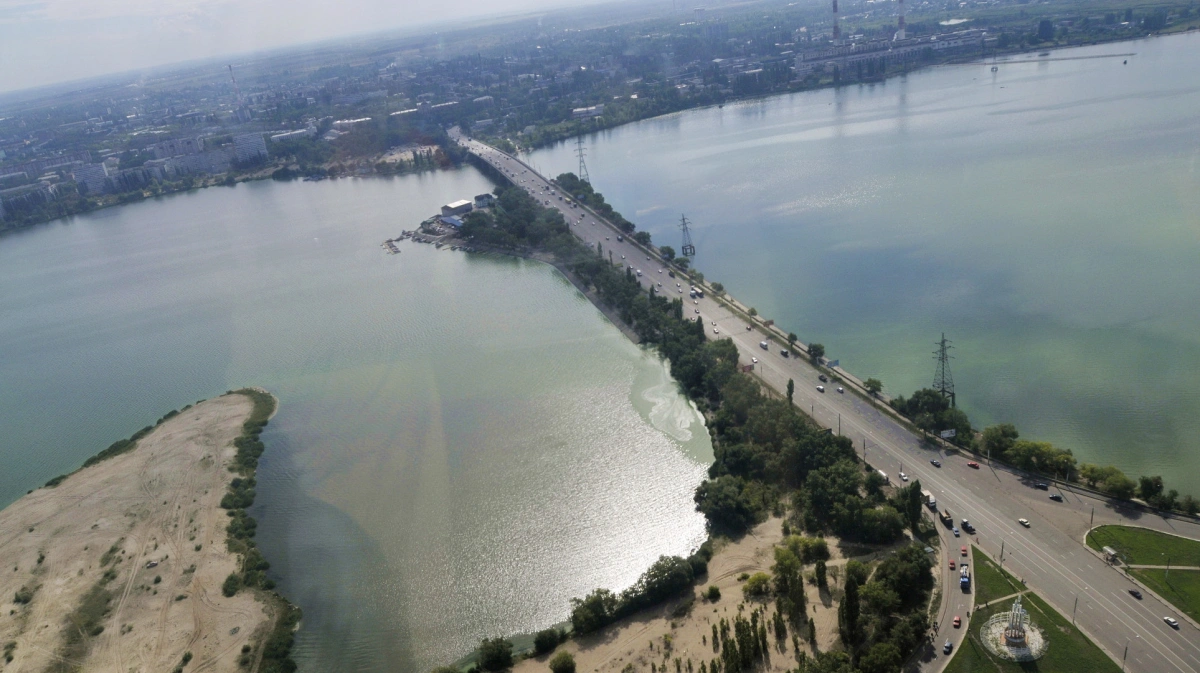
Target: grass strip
(990,580)
(1142,546)
(1181,587)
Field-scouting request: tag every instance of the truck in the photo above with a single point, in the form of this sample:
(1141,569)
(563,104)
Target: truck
(930,501)
(946,518)
(964,578)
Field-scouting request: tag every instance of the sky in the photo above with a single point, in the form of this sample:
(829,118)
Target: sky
(48,41)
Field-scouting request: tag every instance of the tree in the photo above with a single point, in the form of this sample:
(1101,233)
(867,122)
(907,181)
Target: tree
(820,572)
(753,312)
(546,640)
(791,389)
(495,654)
(562,662)
(668,253)
(595,611)
(873,386)
(231,585)
(816,352)
(998,439)
(758,584)
(642,237)
(883,657)
(1149,487)
(848,612)
(718,288)
(727,504)
(1120,486)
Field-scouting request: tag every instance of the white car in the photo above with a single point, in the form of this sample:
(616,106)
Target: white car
(820,389)
(903,477)
(716,331)
(1023,522)
(697,310)
(1172,622)
(754,360)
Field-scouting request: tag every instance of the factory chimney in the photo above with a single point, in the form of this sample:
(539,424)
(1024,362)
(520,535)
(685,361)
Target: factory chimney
(837,31)
(901,33)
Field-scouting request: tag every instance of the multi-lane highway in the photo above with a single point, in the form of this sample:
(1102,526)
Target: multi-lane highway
(1049,555)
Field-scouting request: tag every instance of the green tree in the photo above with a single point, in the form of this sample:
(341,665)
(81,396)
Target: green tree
(1149,487)
(792,340)
(753,312)
(546,640)
(998,439)
(232,583)
(873,386)
(642,237)
(757,585)
(562,662)
(791,390)
(1045,30)
(667,252)
(495,654)
(1120,486)
(848,611)
(718,288)
(816,352)
(595,611)
(883,657)
(821,573)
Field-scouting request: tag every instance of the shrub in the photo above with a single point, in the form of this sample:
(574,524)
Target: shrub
(562,662)
(713,594)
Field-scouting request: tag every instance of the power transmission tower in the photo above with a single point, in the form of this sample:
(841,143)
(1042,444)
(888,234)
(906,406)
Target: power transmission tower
(580,151)
(943,381)
(688,249)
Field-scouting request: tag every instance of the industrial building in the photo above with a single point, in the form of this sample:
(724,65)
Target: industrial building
(457,208)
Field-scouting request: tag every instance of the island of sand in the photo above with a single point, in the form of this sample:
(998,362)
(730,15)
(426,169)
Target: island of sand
(120,566)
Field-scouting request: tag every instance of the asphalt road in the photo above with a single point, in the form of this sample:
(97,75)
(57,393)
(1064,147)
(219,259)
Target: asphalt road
(1049,555)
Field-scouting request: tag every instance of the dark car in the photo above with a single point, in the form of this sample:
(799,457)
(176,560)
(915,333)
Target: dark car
(1042,485)
(935,463)
(1136,594)
(1056,497)
(784,353)
(824,379)
(947,647)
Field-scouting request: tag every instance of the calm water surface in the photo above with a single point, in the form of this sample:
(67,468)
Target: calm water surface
(1046,217)
(464,442)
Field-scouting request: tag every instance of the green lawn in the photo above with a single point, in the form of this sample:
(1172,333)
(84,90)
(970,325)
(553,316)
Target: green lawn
(989,580)
(1146,547)
(1069,652)
(1183,589)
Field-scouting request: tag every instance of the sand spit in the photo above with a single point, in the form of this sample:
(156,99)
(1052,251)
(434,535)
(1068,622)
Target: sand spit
(119,568)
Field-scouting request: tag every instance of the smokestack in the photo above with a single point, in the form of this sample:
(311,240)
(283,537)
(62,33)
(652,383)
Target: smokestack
(837,31)
(901,34)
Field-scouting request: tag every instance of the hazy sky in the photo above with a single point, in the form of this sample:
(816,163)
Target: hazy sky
(48,41)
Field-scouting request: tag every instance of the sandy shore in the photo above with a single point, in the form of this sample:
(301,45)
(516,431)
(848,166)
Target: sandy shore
(639,640)
(76,588)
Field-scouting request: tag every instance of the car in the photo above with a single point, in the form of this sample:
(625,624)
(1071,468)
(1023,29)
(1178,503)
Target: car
(1172,622)
(841,390)
(820,389)
(763,345)
(1042,486)
(1056,497)
(754,360)
(716,331)
(660,270)
(1023,522)
(1136,594)
(955,530)
(947,647)
(606,238)
(903,477)
(952,564)
(622,256)
(697,310)
(784,353)
(823,378)
(973,465)
(671,274)
(694,301)
(935,463)
(647,258)
(747,328)
(957,621)
(964,550)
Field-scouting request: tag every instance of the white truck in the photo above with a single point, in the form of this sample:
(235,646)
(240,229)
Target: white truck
(930,501)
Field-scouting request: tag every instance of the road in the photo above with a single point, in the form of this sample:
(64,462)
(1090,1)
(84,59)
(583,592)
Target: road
(1049,555)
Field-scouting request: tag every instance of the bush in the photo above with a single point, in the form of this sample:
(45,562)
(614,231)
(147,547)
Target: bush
(713,594)
(495,654)
(759,584)
(546,640)
(231,585)
(562,662)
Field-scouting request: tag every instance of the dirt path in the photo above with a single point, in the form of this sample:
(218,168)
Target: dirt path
(103,527)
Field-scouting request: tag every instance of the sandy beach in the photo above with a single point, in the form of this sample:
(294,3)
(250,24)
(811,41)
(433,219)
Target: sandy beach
(119,567)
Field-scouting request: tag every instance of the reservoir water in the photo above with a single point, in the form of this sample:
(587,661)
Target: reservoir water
(464,443)
(1046,217)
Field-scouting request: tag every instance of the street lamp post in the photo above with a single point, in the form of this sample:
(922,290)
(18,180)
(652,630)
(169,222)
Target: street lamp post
(1074,609)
